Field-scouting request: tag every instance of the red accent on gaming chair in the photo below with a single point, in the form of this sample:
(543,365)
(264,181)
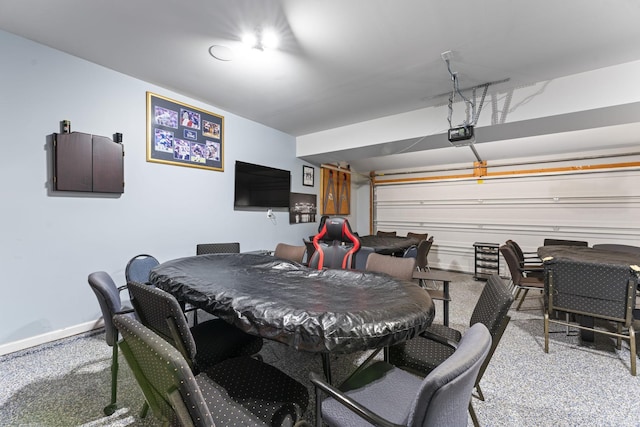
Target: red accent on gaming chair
(335,245)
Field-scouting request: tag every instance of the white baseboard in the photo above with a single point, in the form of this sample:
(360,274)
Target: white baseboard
(49,337)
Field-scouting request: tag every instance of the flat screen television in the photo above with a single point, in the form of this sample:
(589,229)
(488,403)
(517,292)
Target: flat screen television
(258,187)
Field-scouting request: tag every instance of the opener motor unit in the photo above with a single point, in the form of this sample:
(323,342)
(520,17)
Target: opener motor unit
(461,133)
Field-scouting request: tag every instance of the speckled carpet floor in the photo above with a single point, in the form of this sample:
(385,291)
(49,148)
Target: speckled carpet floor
(67,383)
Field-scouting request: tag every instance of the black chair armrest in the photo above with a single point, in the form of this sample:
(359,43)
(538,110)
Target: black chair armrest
(349,403)
(531,269)
(439,339)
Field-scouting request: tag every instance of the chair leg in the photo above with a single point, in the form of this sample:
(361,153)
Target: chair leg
(145,410)
(479,391)
(632,349)
(619,337)
(326,367)
(111,407)
(318,407)
(546,332)
(524,295)
(474,417)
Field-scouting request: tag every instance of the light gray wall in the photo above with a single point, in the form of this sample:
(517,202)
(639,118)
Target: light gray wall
(49,244)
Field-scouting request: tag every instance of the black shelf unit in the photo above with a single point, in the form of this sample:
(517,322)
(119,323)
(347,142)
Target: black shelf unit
(487,260)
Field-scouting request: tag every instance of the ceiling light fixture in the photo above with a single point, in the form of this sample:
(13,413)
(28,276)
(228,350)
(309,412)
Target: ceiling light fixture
(261,39)
(222,53)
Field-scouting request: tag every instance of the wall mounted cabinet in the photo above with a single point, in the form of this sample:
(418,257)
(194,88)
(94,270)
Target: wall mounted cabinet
(87,163)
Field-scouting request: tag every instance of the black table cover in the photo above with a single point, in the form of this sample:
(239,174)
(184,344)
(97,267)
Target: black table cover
(388,245)
(586,254)
(311,310)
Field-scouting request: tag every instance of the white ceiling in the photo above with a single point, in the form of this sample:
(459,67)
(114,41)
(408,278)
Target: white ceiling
(340,61)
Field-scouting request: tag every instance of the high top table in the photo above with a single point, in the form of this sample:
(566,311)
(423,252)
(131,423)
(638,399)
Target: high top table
(320,311)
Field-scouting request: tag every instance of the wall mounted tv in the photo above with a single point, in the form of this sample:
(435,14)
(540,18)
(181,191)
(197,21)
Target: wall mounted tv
(260,187)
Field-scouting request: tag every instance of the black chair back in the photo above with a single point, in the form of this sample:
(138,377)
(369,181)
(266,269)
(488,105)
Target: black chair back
(163,374)
(139,267)
(552,242)
(218,248)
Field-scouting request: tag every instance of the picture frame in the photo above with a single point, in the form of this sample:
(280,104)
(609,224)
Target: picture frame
(183,135)
(335,191)
(308,176)
(303,208)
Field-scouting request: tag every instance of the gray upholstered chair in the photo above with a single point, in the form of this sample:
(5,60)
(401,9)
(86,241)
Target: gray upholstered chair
(108,295)
(139,267)
(422,354)
(290,252)
(178,397)
(204,344)
(218,248)
(384,395)
(519,279)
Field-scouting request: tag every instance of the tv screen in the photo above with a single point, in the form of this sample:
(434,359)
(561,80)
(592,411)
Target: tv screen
(259,186)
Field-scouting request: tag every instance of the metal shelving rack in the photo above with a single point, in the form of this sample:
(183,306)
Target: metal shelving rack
(487,260)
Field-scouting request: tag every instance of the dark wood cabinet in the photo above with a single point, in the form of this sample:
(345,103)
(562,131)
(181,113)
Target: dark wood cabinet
(87,163)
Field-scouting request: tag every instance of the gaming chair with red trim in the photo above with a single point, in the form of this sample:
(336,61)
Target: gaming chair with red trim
(335,245)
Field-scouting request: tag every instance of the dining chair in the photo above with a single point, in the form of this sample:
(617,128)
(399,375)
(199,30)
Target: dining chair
(419,236)
(380,233)
(139,267)
(204,344)
(290,252)
(422,254)
(239,391)
(310,249)
(525,257)
(398,267)
(402,268)
(519,279)
(108,295)
(531,265)
(383,395)
(422,354)
(218,248)
(601,290)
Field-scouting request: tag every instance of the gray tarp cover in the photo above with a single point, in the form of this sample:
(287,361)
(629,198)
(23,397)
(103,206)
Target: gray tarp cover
(311,310)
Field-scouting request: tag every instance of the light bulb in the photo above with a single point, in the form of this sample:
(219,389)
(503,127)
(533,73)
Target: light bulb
(250,40)
(269,39)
